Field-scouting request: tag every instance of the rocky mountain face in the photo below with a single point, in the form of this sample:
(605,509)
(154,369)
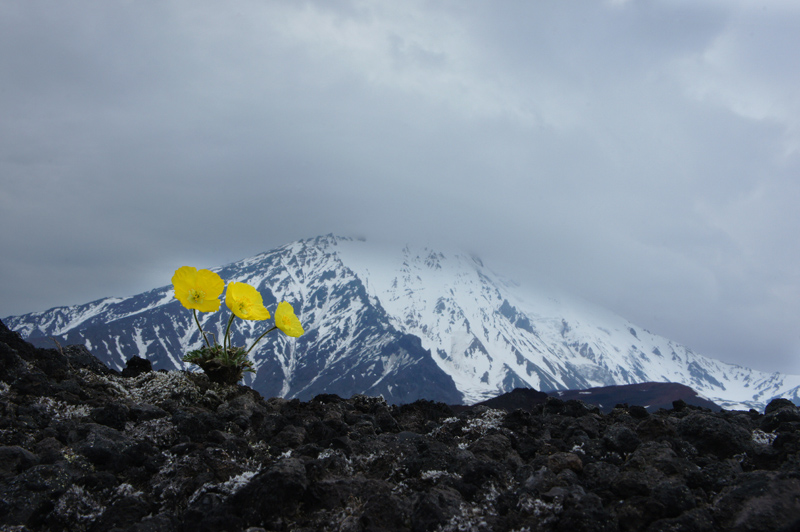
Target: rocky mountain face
(84,448)
(406,324)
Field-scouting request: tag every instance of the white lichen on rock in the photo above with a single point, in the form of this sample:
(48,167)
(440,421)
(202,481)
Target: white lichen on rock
(160,432)
(434,475)
(60,410)
(77,505)
(487,420)
(224,489)
(763,438)
(156,387)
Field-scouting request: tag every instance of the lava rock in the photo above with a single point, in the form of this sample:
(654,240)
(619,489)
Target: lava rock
(136,366)
(83,448)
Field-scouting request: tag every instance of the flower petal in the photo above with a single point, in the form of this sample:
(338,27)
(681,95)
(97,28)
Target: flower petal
(197,290)
(286,321)
(211,282)
(245,302)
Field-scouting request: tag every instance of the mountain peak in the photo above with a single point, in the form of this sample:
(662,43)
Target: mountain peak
(407,322)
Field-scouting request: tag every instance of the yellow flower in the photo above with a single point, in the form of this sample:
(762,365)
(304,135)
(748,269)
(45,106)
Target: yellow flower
(199,290)
(286,321)
(245,302)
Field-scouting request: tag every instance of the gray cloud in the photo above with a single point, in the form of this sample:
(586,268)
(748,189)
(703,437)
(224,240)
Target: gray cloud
(642,154)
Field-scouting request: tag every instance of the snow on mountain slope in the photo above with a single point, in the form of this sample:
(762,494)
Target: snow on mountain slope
(407,323)
(349,346)
(491,335)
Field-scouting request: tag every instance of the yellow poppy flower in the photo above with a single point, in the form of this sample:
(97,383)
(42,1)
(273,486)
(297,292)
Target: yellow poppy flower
(198,290)
(245,302)
(286,321)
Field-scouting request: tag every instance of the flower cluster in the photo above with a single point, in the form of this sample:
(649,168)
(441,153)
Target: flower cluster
(200,290)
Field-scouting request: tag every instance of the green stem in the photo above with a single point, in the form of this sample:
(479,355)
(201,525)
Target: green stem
(194,311)
(226,339)
(259,339)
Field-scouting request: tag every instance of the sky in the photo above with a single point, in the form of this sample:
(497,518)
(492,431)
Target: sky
(644,155)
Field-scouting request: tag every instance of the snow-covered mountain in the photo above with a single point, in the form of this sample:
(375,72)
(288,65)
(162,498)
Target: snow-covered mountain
(406,323)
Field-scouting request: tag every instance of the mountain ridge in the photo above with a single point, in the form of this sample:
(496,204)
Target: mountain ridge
(405,323)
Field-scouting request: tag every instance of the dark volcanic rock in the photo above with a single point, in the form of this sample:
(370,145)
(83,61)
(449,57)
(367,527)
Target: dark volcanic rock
(649,395)
(84,448)
(524,398)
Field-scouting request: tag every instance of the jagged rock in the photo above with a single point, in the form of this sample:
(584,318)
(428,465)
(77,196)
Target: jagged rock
(84,448)
(135,366)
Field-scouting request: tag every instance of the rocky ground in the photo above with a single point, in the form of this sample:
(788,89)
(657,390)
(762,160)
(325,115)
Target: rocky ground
(83,448)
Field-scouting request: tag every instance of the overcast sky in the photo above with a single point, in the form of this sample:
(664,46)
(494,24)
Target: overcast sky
(642,154)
